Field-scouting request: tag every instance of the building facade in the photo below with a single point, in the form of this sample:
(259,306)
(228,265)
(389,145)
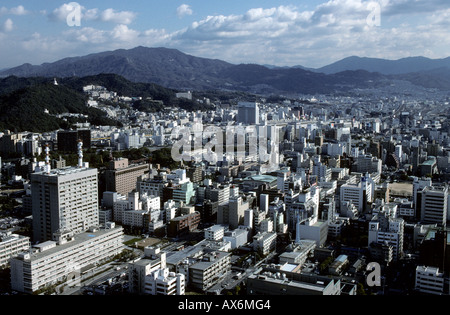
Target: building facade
(64,199)
(59,261)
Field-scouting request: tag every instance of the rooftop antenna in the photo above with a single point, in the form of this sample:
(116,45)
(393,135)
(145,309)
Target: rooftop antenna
(47,159)
(80,153)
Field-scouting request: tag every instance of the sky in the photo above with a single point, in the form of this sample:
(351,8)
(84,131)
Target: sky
(310,33)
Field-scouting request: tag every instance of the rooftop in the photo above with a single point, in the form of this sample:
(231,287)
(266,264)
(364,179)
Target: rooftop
(261,178)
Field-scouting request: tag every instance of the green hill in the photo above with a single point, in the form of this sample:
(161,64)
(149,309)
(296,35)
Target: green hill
(23,104)
(23,101)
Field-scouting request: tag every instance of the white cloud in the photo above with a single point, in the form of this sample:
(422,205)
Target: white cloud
(286,35)
(61,13)
(108,15)
(8,26)
(124,34)
(283,35)
(19,10)
(123,17)
(184,10)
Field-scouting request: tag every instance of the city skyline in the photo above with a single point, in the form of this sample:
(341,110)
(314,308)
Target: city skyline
(283,33)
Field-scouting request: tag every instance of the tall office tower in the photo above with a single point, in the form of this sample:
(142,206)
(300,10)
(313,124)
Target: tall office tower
(418,186)
(434,205)
(64,200)
(248,113)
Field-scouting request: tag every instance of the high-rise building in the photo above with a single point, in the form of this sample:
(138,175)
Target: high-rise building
(418,186)
(248,113)
(64,199)
(121,177)
(434,205)
(359,194)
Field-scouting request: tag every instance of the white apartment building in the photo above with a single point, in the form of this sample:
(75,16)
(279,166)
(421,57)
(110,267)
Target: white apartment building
(429,280)
(153,260)
(152,187)
(12,245)
(164,282)
(264,242)
(64,199)
(64,259)
(215,233)
(132,211)
(150,202)
(236,238)
(357,194)
(314,229)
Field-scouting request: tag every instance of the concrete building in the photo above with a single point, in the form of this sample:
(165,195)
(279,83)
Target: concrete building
(184,224)
(367,164)
(164,282)
(64,199)
(248,113)
(358,194)
(275,282)
(386,230)
(264,243)
(207,272)
(121,177)
(138,270)
(314,229)
(215,233)
(430,280)
(418,186)
(237,238)
(298,253)
(434,205)
(64,259)
(153,187)
(233,214)
(12,245)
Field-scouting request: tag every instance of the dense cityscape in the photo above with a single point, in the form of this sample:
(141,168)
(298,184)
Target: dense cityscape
(345,194)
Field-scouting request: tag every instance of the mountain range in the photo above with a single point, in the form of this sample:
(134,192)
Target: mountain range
(176,70)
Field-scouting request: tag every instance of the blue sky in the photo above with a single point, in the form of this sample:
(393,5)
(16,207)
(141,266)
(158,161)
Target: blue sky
(312,33)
